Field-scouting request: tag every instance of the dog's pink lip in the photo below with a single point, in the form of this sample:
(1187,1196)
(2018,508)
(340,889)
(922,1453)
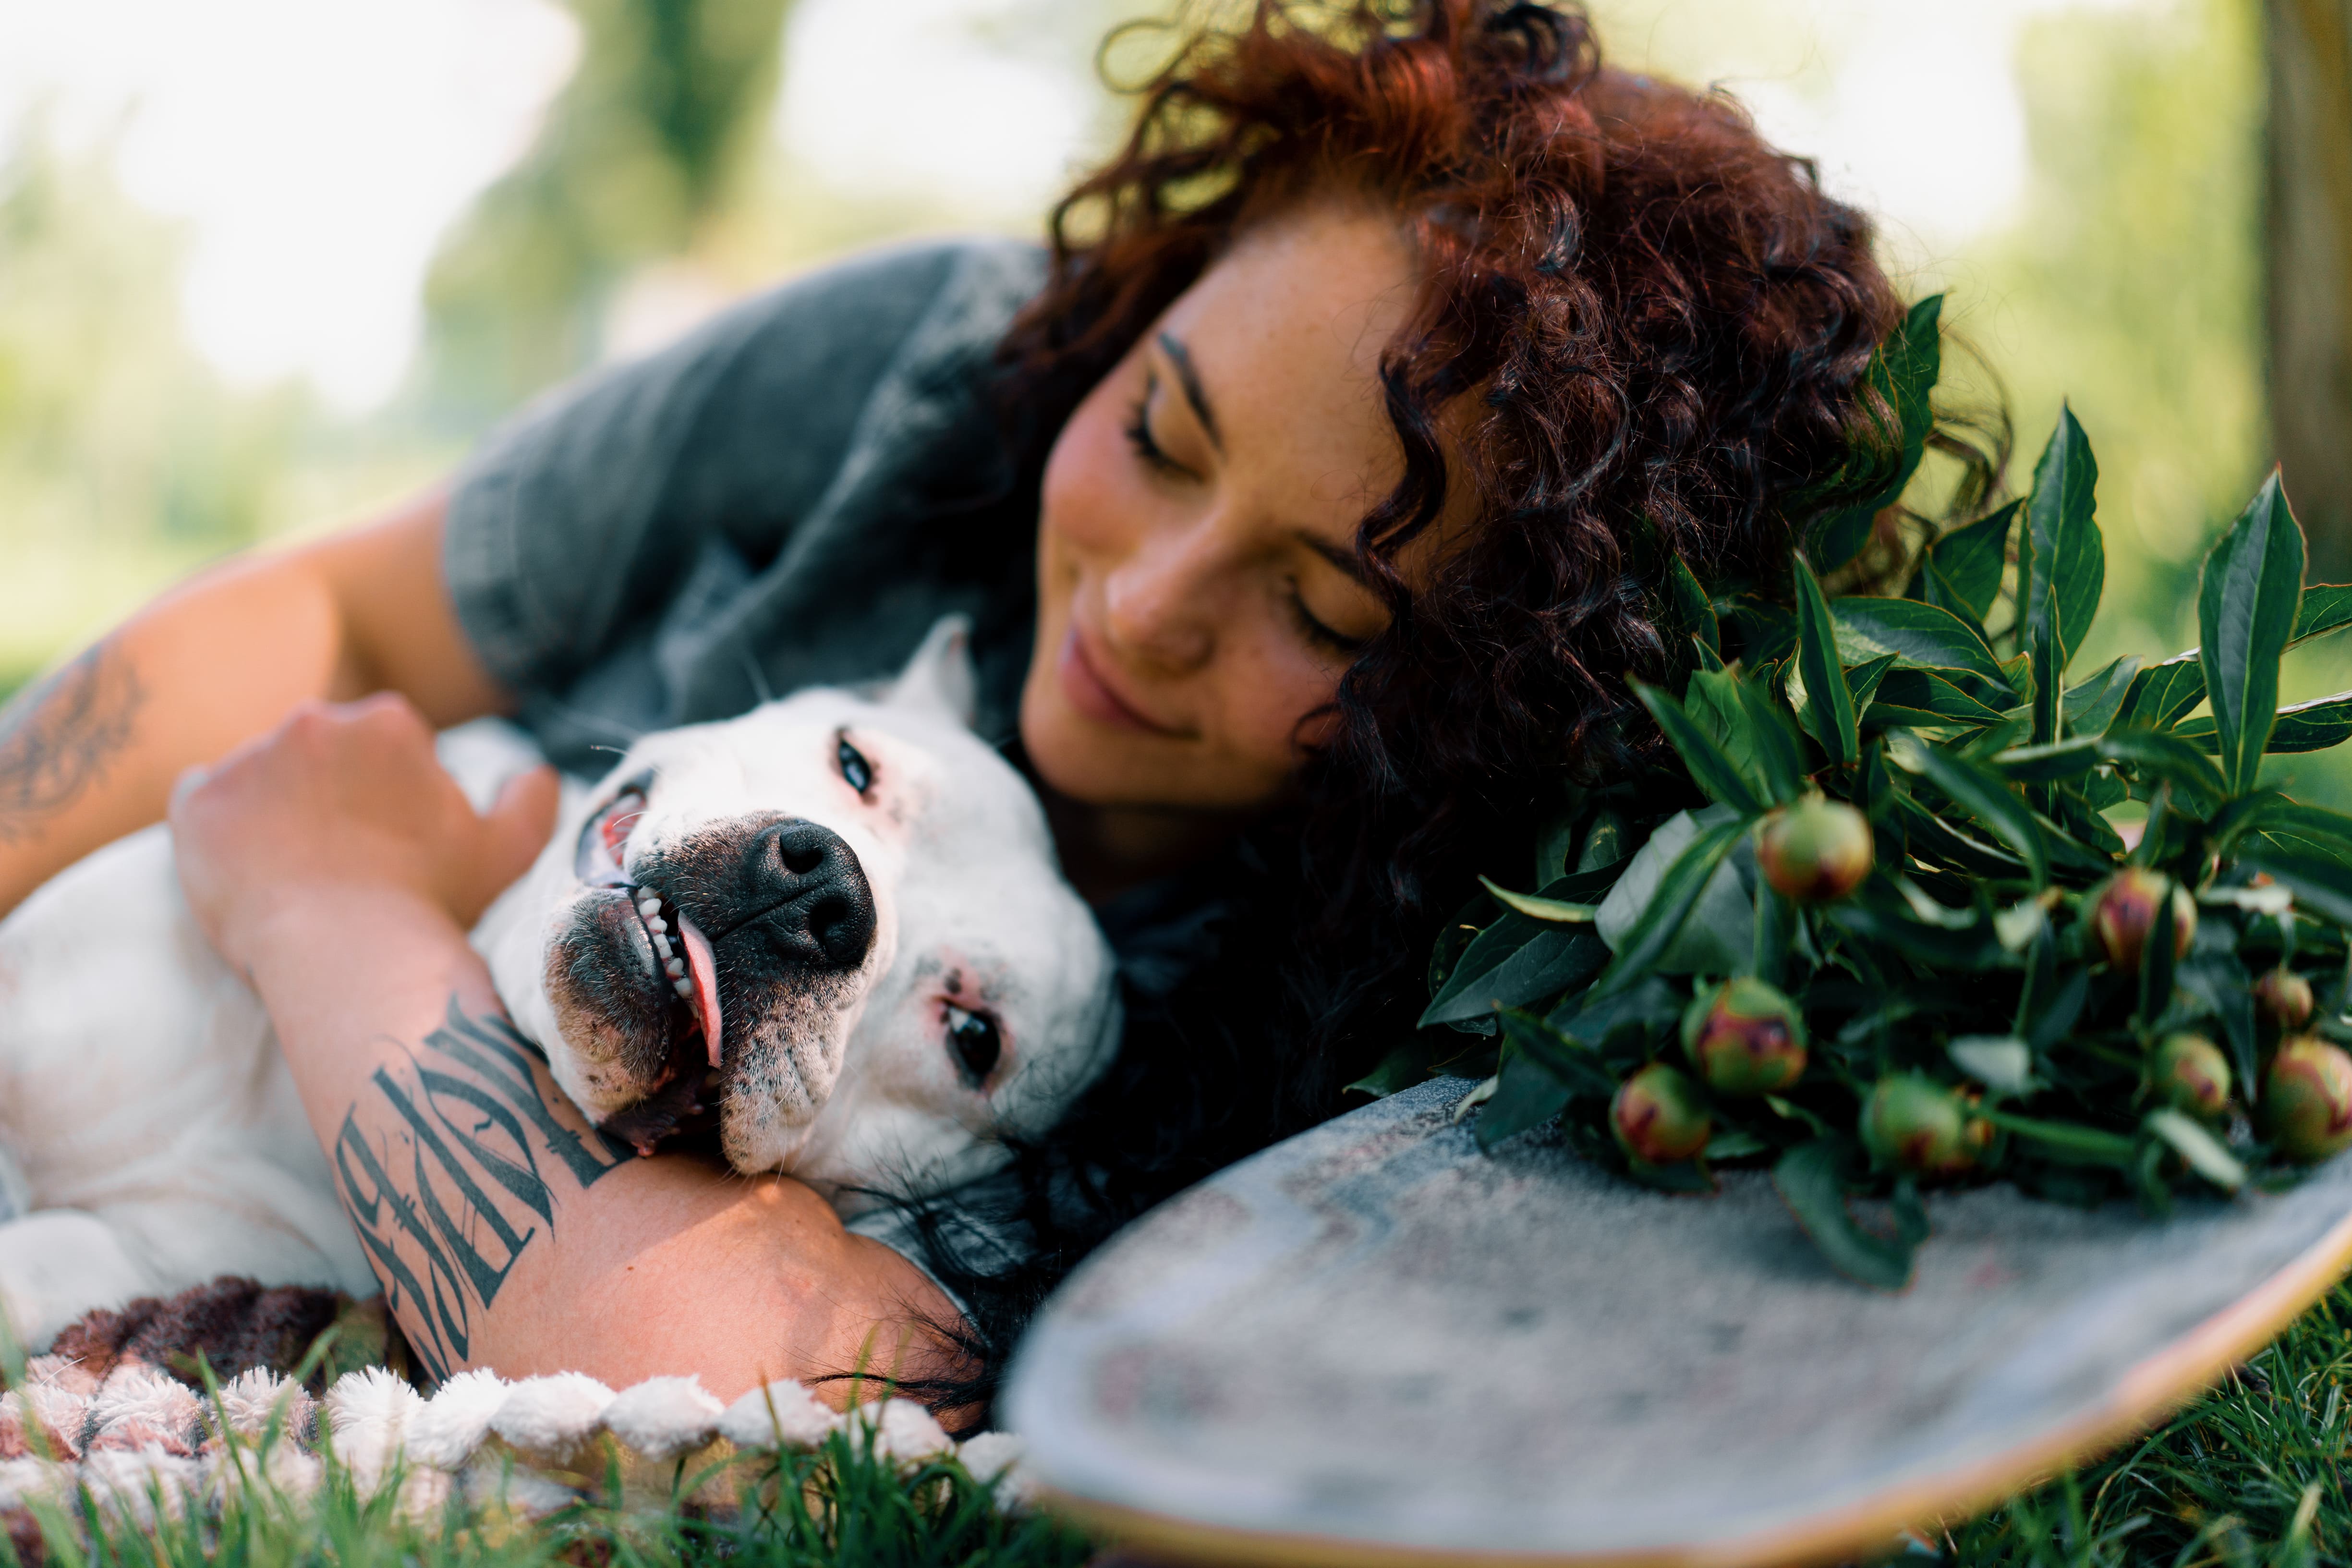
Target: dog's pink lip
(704,970)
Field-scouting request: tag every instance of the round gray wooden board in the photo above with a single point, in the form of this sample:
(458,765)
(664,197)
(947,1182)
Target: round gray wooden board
(1374,1343)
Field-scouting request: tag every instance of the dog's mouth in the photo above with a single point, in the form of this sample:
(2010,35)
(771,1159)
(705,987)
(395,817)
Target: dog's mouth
(678,965)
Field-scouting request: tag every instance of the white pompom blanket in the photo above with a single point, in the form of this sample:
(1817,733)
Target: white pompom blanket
(139,1440)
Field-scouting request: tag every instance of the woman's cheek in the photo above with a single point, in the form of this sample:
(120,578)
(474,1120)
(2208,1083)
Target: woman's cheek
(1277,708)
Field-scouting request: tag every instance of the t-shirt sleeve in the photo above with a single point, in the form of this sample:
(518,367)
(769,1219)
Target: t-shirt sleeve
(579,518)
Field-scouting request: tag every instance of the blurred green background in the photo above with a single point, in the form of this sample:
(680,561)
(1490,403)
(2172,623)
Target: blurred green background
(2087,180)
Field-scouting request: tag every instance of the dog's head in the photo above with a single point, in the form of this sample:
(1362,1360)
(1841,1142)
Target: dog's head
(833,926)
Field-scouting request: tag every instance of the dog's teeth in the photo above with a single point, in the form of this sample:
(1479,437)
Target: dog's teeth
(683,987)
(650,908)
(676,967)
(661,945)
(656,924)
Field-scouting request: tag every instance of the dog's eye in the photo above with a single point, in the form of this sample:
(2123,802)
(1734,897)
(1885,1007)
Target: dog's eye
(973,1038)
(606,836)
(854,766)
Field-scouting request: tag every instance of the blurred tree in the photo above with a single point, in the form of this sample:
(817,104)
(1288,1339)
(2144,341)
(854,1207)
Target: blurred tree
(2131,286)
(2309,223)
(649,141)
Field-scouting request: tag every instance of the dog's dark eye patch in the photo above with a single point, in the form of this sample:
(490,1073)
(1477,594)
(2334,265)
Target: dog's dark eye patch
(976,1044)
(855,768)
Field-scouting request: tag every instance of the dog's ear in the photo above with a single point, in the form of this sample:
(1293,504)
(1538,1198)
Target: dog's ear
(940,676)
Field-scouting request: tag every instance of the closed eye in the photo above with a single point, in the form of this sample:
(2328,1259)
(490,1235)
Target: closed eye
(856,771)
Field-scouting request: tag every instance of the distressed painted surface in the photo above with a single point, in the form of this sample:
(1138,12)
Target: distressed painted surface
(1374,1332)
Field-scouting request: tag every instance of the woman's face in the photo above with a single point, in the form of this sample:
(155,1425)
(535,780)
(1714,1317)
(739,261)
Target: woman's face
(1197,595)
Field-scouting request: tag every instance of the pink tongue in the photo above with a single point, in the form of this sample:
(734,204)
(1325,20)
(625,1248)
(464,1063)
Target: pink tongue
(704,970)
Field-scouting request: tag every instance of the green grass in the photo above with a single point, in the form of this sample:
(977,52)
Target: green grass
(2247,1476)
(2250,1474)
(837,1506)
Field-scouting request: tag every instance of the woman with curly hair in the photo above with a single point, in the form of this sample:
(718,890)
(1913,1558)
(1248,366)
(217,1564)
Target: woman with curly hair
(1312,494)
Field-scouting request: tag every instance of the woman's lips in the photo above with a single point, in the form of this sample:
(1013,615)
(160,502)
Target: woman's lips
(1090,694)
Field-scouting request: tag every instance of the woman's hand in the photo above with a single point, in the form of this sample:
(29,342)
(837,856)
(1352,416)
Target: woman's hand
(344,800)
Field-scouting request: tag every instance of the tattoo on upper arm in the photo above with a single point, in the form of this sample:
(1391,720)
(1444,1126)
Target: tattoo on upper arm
(452,1166)
(57,738)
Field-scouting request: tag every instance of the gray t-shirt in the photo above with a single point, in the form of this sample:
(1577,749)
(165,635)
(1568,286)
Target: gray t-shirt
(790,497)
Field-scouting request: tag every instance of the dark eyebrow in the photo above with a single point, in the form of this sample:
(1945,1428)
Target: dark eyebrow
(1182,358)
(1345,559)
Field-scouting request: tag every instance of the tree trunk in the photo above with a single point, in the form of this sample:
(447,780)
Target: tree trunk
(2309,245)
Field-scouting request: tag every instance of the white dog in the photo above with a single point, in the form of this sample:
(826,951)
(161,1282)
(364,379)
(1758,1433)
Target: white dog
(835,921)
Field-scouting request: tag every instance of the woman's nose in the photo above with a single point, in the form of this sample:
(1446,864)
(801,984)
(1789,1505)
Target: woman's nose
(1159,603)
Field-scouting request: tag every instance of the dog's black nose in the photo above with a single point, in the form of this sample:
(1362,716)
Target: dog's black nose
(818,906)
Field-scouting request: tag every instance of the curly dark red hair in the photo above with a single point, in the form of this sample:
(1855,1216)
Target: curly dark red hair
(1646,333)
(1664,322)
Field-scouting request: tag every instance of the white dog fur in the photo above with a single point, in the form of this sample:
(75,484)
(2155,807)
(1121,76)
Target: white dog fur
(151,1138)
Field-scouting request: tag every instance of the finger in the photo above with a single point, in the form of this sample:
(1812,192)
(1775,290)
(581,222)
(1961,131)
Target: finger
(520,821)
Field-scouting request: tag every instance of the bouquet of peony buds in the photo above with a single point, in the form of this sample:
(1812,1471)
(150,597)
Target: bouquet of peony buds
(1930,912)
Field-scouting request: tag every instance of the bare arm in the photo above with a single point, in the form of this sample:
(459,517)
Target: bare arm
(337,865)
(89,752)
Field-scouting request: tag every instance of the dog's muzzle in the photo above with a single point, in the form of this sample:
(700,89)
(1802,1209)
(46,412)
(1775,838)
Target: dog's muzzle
(730,946)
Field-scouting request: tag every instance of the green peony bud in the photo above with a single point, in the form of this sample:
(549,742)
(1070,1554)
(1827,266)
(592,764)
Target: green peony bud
(2190,1073)
(1658,1116)
(2308,1099)
(2284,998)
(1918,1125)
(1816,851)
(2124,912)
(1744,1037)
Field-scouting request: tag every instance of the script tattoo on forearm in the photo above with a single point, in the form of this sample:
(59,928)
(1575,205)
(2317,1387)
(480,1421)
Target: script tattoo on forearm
(452,1166)
(57,738)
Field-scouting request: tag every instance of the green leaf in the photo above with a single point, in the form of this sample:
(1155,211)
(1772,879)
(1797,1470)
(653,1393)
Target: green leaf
(1756,630)
(1552,911)
(2092,706)
(2158,958)
(1778,757)
(1937,700)
(1829,701)
(2205,1153)
(1711,768)
(2312,726)
(1692,608)
(2271,812)
(1512,962)
(1712,699)
(2061,565)
(1811,1180)
(2246,608)
(1986,795)
(2326,607)
(1904,372)
(2067,759)
(1577,1067)
(1968,562)
(2068,1142)
(2153,753)
(1525,1096)
(1921,635)
(1400,1070)
(2162,692)
(1645,941)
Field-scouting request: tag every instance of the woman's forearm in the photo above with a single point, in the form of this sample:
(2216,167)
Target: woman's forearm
(91,751)
(506,1232)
